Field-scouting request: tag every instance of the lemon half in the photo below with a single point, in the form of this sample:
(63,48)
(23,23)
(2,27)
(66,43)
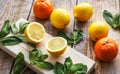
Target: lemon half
(56,46)
(34,32)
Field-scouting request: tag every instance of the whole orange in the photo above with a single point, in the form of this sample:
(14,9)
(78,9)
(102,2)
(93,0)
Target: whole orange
(106,49)
(43,8)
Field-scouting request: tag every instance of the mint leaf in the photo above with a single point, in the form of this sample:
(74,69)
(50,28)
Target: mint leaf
(68,62)
(44,65)
(59,68)
(75,36)
(14,29)
(5,29)
(10,41)
(37,58)
(19,64)
(113,21)
(22,26)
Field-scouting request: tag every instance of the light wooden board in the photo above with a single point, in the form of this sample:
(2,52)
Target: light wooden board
(76,56)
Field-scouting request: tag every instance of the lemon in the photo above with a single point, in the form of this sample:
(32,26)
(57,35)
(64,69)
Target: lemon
(60,18)
(34,32)
(56,46)
(98,30)
(83,11)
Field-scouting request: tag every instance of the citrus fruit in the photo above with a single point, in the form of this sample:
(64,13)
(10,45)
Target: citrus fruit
(42,8)
(98,30)
(60,18)
(106,49)
(83,11)
(34,32)
(56,46)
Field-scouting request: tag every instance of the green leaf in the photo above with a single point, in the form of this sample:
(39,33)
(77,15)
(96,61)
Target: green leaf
(37,58)
(63,34)
(78,67)
(59,68)
(44,65)
(80,72)
(117,20)
(5,29)
(14,29)
(76,36)
(34,55)
(23,39)
(22,26)
(10,41)
(19,64)
(68,62)
(109,18)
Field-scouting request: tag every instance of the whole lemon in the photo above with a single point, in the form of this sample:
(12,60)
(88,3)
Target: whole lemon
(60,18)
(98,30)
(83,11)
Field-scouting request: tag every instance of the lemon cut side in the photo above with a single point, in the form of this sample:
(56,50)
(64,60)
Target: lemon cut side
(34,32)
(56,46)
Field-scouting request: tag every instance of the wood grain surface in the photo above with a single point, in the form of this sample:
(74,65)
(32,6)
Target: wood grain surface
(14,9)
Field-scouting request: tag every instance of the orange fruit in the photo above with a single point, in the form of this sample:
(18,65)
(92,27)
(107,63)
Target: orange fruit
(43,8)
(106,49)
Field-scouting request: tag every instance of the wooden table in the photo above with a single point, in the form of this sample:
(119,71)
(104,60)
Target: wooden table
(15,9)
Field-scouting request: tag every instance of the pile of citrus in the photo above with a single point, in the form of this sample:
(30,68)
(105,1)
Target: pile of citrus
(106,49)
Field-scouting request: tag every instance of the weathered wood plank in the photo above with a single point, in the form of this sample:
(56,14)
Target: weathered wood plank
(12,10)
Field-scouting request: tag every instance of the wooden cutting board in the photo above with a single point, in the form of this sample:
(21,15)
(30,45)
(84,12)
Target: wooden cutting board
(70,52)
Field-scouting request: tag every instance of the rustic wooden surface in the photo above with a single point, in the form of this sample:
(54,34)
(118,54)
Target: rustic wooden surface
(14,9)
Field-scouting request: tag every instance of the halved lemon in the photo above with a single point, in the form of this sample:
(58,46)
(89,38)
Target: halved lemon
(34,32)
(56,46)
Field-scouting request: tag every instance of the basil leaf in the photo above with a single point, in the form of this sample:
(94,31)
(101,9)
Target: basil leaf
(10,41)
(109,18)
(59,68)
(68,62)
(44,65)
(80,72)
(117,20)
(34,55)
(63,34)
(23,39)
(22,26)
(5,29)
(76,36)
(19,64)
(78,67)
(14,29)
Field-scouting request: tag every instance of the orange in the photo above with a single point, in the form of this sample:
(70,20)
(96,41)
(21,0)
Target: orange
(43,8)
(106,49)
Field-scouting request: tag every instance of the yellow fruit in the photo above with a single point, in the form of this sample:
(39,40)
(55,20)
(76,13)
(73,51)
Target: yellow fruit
(34,32)
(56,46)
(98,30)
(83,11)
(60,18)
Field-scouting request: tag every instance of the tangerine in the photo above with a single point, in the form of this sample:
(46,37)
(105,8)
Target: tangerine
(43,8)
(106,49)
